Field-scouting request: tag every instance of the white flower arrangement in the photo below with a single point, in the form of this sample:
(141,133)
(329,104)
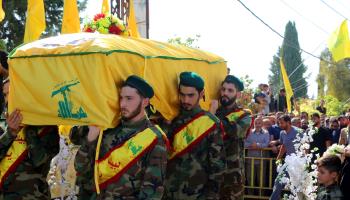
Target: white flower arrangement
(60,162)
(302,174)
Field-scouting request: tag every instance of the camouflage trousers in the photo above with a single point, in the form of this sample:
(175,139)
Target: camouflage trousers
(233,186)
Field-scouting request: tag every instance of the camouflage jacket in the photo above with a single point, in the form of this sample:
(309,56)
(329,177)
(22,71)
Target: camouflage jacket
(329,193)
(28,180)
(235,131)
(198,173)
(143,180)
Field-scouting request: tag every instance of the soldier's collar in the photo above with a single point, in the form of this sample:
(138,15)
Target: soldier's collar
(138,124)
(192,112)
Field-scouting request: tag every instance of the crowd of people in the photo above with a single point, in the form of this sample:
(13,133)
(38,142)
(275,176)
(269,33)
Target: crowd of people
(274,134)
(197,155)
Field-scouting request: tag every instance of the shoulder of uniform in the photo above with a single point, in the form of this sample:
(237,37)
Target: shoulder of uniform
(158,131)
(213,117)
(248,111)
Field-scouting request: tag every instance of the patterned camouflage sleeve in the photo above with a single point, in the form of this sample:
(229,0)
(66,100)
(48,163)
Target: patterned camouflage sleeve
(216,163)
(78,133)
(5,143)
(243,125)
(153,183)
(42,149)
(85,157)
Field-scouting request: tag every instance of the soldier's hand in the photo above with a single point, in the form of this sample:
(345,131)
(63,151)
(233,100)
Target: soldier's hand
(214,105)
(14,121)
(93,133)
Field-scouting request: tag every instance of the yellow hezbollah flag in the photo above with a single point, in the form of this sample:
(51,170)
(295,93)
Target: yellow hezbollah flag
(35,22)
(132,24)
(74,79)
(287,85)
(70,21)
(2,13)
(339,43)
(105,6)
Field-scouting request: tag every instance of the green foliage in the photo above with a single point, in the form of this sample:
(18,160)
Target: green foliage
(333,105)
(189,42)
(293,62)
(290,51)
(333,78)
(275,79)
(13,25)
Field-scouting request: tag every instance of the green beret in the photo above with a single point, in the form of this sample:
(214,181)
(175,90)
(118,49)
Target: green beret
(191,79)
(234,80)
(140,85)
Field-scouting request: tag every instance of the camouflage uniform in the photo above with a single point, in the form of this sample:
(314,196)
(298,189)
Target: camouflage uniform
(28,181)
(144,180)
(233,187)
(329,193)
(198,173)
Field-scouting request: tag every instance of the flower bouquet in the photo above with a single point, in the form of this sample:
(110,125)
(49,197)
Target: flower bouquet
(106,24)
(302,174)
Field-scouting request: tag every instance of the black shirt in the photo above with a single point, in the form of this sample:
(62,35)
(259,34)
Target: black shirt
(322,110)
(320,138)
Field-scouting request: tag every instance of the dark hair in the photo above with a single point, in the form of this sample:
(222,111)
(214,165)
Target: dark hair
(7,80)
(285,118)
(331,163)
(315,115)
(3,59)
(199,90)
(307,114)
(282,90)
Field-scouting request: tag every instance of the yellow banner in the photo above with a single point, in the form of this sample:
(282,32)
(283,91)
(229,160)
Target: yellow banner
(132,23)
(236,115)
(105,7)
(190,133)
(287,86)
(74,79)
(2,13)
(112,166)
(35,21)
(70,21)
(339,43)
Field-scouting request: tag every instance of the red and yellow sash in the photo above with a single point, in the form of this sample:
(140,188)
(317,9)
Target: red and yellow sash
(119,159)
(236,115)
(15,155)
(191,133)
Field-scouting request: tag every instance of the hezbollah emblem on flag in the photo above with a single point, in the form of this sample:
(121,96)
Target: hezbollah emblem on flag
(66,108)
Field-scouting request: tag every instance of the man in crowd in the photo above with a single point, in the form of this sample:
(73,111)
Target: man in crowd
(296,122)
(335,130)
(255,142)
(321,107)
(236,122)
(288,135)
(275,134)
(281,101)
(345,134)
(132,159)
(197,163)
(25,156)
(322,138)
(343,121)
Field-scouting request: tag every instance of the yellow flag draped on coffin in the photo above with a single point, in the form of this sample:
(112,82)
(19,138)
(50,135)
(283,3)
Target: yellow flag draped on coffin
(70,21)
(2,13)
(35,21)
(287,86)
(73,79)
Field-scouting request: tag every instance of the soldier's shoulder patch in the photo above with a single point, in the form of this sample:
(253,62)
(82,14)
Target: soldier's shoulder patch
(213,117)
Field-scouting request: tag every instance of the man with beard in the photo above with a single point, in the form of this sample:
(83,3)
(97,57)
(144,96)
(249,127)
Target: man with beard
(197,163)
(25,155)
(287,137)
(236,122)
(132,159)
(322,137)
